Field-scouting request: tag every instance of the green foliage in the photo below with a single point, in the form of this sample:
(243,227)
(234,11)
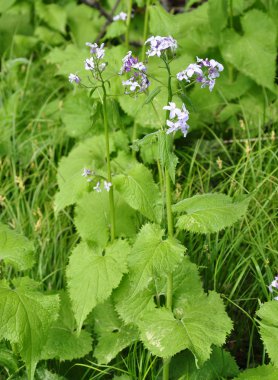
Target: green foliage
(8,359)
(84,23)
(52,14)
(62,341)
(218,15)
(113,334)
(165,333)
(269,328)
(26,316)
(220,365)
(152,255)
(242,51)
(209,213)
(266,372)
(76,114)
(132,305)
(92,275)
(88,154)
(16,249)
(138,189)
(67,60)
(98,229)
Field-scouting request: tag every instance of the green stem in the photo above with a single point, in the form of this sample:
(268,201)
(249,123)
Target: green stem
(109,176)
(145,33)
(129,10)
(169,293)
(134,137)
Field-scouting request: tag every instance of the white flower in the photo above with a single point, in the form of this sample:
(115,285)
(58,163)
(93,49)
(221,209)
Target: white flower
(97,187)
(95,49)
(180,117)
(173,109)
(191,69)
(274,284)
(139,66)
(89,64)
(159,44)
(107,185)
(121,16)
(74,78)
(132,84)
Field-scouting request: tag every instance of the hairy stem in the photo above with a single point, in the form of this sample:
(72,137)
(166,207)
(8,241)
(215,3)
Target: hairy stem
(129,10)
(169,293)
(109,176)
(145,33)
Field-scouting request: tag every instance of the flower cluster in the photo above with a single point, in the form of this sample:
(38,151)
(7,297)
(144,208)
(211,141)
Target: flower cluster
(138,82)
(121,16)
(88,173)
(206,72)
(159,44)
(178,118)
(93,63)
(274,284)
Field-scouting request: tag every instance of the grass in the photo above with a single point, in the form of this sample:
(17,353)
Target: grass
(241,261)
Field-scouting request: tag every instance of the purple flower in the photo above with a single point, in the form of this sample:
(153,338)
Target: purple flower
(121,16)
(159,44)
(128,62)
(178,118)
(74,78)
(86,172)
(206,72)
(191,69)
(274,284)
(98,51)
(138,82)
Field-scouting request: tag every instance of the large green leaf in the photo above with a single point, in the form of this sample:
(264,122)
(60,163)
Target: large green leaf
(196,324)
(138,189)
(89,154)
(52,14)
(198,37)
(68,60)
(221,365)
(153,255)
(131,305)
(113,334)
(16,249)
(97,229)
(85,23)
(218,15)
(62,341)
(269,328)
(76,114)
(93,275)
(25,318)
(243,50)
(186,281)
(265,372)
(209,213)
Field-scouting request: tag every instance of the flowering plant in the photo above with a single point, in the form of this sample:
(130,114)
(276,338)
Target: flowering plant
(131,272)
